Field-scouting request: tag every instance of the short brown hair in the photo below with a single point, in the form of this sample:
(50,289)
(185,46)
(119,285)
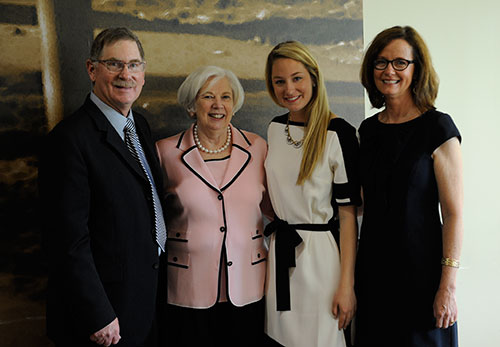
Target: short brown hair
(111,35)
(425,80)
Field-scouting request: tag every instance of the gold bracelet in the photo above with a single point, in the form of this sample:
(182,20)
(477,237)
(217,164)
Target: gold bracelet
(450,262)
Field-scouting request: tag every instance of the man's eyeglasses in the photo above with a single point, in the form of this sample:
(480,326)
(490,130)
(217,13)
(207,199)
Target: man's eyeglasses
(118,65)
(398,64)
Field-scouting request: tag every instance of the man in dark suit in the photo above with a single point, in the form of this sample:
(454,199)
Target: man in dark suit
(103,224)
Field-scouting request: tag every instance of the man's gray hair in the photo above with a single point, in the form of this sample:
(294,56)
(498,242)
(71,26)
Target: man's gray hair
(111,35)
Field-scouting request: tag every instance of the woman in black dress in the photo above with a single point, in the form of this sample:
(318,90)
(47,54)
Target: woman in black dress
(410,170)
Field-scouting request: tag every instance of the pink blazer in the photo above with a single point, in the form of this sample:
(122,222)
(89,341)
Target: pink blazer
(204,219)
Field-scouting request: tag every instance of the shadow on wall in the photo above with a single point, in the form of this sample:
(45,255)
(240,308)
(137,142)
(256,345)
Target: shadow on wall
(177,39)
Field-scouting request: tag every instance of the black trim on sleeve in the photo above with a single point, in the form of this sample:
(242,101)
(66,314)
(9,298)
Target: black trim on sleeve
(350,151)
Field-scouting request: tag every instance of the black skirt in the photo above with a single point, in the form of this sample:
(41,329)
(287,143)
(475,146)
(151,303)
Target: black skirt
(221,325)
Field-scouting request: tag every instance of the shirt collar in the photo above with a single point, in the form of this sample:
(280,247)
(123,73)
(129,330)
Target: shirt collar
(116,119)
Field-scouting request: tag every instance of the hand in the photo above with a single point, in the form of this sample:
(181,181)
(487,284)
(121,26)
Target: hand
(344,306)
(107,336)
(445,308)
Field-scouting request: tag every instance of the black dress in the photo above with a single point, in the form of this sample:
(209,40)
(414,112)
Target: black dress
(398,265)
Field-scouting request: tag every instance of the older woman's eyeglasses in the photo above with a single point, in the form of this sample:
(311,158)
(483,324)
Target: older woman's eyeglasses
(398,64)
(118,65)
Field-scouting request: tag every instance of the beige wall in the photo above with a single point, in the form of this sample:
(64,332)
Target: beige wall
(464,40)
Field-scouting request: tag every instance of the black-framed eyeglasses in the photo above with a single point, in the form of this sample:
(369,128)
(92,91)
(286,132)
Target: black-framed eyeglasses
(398,64)
(118,65)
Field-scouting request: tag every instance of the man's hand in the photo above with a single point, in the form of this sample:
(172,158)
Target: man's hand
(107,336)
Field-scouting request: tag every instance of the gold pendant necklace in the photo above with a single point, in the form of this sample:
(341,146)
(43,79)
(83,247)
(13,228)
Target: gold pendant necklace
(289,139)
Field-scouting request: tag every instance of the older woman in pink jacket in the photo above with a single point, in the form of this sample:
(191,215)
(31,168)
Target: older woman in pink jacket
(215,188)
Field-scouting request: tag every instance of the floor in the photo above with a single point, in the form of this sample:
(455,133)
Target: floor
(22,317)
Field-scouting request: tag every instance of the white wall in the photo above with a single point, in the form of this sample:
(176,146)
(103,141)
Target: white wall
(464,41)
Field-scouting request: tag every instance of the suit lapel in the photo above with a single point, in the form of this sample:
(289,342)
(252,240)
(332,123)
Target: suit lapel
(193,160)
(240,157)
(111,137)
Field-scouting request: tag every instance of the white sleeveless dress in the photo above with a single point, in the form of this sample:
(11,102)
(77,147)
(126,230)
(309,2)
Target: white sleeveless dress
(315,278)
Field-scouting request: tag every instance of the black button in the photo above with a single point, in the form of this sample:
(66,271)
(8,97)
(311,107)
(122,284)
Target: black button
(258,255)
(229,263)
(219,197)
(156,266)
(257,231)
(222,229)
(174,259)
(177,234)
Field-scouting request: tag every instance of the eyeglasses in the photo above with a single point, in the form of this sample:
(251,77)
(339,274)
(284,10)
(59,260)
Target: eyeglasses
(398,64)
(118,65)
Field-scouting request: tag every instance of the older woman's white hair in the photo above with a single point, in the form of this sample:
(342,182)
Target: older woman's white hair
(186,95)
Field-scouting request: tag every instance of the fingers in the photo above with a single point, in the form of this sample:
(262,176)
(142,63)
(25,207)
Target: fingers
(344,307)
(342,321)
(116,339)
(344,317)
(445,316)
(106,340)
(445,308)
(108,335)
(345,320)
(335,310)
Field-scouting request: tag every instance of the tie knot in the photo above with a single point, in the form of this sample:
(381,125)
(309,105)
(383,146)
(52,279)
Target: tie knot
(129,126)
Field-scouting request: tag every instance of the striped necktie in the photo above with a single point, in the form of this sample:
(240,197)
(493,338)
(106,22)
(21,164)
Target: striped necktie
(134,146)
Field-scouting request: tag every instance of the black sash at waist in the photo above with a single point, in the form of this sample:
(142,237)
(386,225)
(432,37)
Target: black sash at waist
(286,239)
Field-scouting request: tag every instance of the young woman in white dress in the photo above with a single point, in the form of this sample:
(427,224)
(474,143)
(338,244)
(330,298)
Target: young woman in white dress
(311,170)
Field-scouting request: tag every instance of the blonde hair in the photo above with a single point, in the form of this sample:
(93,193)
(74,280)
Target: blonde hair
(318,109)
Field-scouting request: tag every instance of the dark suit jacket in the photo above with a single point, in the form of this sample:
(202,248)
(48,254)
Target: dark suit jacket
(98,229)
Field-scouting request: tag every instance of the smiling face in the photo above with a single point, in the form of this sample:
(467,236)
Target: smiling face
(292,86)
(214,106)
(117,89)
(392,83)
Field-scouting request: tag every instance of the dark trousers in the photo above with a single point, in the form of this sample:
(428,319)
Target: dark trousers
(151,341)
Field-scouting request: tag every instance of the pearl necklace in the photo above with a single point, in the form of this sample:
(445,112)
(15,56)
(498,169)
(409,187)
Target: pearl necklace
(211,151)
(289,139)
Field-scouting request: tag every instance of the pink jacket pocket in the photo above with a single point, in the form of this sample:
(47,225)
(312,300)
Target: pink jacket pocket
(178,260)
